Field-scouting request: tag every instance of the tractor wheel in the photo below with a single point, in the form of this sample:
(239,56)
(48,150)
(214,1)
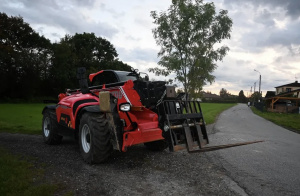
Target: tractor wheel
(50,128)
(94,138)
(159,145)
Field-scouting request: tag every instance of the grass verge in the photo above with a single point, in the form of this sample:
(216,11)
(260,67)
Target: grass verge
(27,118)
(20,177)
(212,110)
(21,118)
(289,121)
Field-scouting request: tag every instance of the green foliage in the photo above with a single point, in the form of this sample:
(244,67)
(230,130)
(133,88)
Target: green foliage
(31,66)
(24,57)
(27,118)
(242,98)
(82,50)
(188,33)
(255,96)
(21,118)
(20,177)
(287,120)
(223,93)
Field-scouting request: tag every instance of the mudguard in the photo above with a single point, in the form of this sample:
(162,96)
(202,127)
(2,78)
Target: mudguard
(51,107)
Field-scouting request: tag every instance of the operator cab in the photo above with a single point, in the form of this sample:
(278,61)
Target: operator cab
(110,76)
(125,76)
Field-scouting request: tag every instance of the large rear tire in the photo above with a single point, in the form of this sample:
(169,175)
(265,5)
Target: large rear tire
(94,138)
(50,128)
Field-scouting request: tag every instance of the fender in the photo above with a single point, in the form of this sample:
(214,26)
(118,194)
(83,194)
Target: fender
(50,107)
(90,108)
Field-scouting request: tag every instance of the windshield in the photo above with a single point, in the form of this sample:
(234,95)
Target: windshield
(124,76)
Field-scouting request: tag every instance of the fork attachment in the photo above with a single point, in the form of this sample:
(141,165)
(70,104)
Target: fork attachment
(184,125)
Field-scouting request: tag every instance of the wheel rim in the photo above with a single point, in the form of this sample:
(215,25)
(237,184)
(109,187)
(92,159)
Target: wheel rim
(47,126)
(86,138)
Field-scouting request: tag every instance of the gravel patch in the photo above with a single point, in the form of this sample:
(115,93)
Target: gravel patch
(136,172)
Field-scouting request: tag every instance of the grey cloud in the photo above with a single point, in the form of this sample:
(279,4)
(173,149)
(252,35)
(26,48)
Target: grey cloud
(287,67)
(129,37)
(294,51)
(138,54)
(265,17)
(283,37)
(256,18)
(56,3)
(241,75)
(257,39)
(114,13)
(86,3)
(292,7)
(56,35)
(58,14)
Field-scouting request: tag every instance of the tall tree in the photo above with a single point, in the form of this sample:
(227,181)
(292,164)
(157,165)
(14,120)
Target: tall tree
(188,33)
(90,51)
(242,98)
(82,50)
(255,96)
(223,93)
(24,57)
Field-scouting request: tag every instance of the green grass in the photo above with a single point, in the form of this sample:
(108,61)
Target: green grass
(289,121)
(27,118)
(211,111)
(21,118)
(20,177)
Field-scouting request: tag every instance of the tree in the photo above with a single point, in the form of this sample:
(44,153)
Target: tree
(242,98)
(89,51)
(82,50)
(255,96)
(31,66)
(187,34)
(223,93)
(24,57)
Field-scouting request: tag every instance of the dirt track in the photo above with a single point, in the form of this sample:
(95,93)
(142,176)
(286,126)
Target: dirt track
(136,172)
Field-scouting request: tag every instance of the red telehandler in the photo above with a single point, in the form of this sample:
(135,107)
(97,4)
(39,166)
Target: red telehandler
(121,109)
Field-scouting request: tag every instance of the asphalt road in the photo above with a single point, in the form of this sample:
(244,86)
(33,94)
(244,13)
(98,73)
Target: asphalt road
(268,168)
(137,172)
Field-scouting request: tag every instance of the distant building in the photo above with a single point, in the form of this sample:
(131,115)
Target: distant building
(210,96)
(288,88)
(285,99)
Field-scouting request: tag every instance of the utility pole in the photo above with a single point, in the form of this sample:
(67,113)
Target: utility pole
(254,87)
(259,83)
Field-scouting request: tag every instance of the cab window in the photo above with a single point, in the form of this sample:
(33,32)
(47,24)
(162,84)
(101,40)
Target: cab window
(125,76)
(107,77)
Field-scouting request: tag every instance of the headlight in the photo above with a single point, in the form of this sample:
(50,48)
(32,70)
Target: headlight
(125,107)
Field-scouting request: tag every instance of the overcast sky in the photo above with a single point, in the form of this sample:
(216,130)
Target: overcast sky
(265,35)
